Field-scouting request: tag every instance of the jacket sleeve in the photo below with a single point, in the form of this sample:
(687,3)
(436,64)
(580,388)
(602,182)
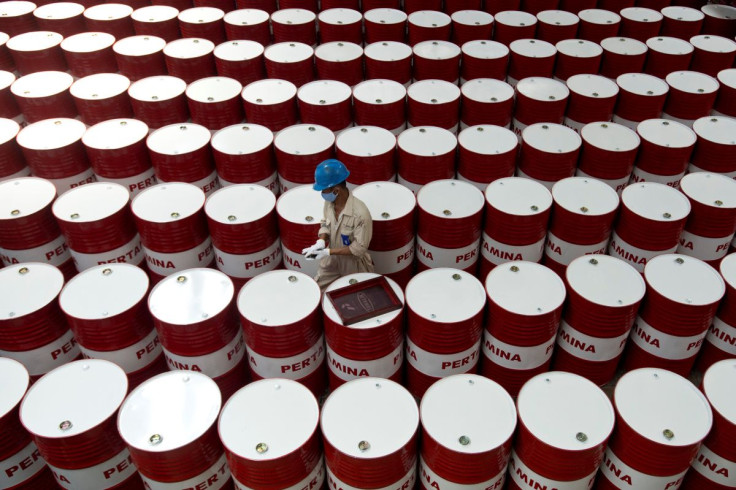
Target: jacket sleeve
(324,224)
(362,235)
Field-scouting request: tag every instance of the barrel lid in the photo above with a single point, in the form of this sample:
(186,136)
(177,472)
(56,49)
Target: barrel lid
(684,14)
(239,50)
(624,46)
(641,14)
(385,16)
(669,45)
(488,139)
(566,411)
(293,16)
(714,44)
(719,11)
(585,196)
(201,15)
(710,189)
(728,269)
(304,139)
(90,202)
(605,280)
(268,419)
(437,50)
(487,90)
(386,200)
(516,18)
(324,92)
(104,291)
(445,295)
(73,398)
(269,91)
(663,406)
(656,201)
(191,296)
(15,383)
(369,418)
(450,199)
(179,139)
(240,203)
(366,141)
(718,384)
(329,309)
(168,203)
(139,45)
(551,138)
(169,411)
(543,89)
(41,84)
(214,89)
(525,288)
(610,136)
(388,51)
(157,88)
(114,134)
(340,16)
(533,48)
(472,17)
(279,297)
(427,141)
(34,41)
(242,139)
(579,48)
(338,51)
(429,18)
(9,130)
(301,205)
(58,10)
(24,196)
(717,129)
(3,38)
(16,8)
(642,84)
(108,11)
(290,52)
(558,17)
(685,280)
(728,77)
(692,82)
(468,413)
(51,134)
(100,86)
(483,49)
(433,91)
(6,79)
(87,42)
(28,287)
(593,86)
(379,91)
(188,48)
(518,196)
(155,13)
(663,132)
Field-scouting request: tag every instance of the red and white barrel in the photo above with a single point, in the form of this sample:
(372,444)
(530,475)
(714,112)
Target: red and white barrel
(297,25)
(667,54)
(76,433)
(240,60)
(340,24)
(17,17)
(64,18)
(486,153)
(539,100)
(190,59)
(54,151)
(661,420)
(12,164)
(393,209)
(640,23)
(486,101)
(270,103)
(341,61)
(248,23)
(692,95)
(140,57)
(724,103)
(530,58)
(388,60)
(43,95)
(426,154)
(298,150)
(384,24)
(640,97)
(525,307)
(604,294)
(720,341)
(461,445)
(681,22)
(714,146)
(280,315)
(203,22)
(664,154)
(215,102)
(105,307)
(511,25)
(299,213)
(169,426)
(327,103)
(8,106)
(434,103)
(444,322)
(622,55)
(471,25)
(292,61)
(271,436)
(598,24)
(112,18)
(719,20)
(549,153)
(101,97)
(182,153)
(244,155)
(554,26)
(484,59)
(244,228)
(34,331)
(650,221)
(577,57)
(608,153)
(712,54)
(159,100)
(157,20)
(592,99)
(427,25)
(439,60)
(380,103)
(370,429)
(37,51)
(89,53)
(369,152)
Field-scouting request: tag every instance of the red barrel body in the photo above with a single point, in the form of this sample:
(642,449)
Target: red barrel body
(250,24)
(340,24)
(203,22)
(380,103)
(692,95)
(681,22)
(327,103)
(102,97)
(539,100)
(718,343)
(340,61)
(640,97)
(37,51)
(592,99)
(530,58)
(667,54)
(244,155)
(8,106)
(484,59)
(240,60)
(486,101)
(471,25)
(18,18)
(292,61)
(608,153)
(577,57)
(297,149)
(622,55)
(140,56)
(438,60)
(713,145)
(511,25)
(427,25)
(434,103)
(723,105)
(554,26)
(549,153)
(113,19)
(390,60)
(89,53)
(712,54)
(300,211)
(190,59)
(719,20)
(370,153)
(666,147)
(270,103)
(640,23)
(43,95)
(597,24)
(486,153)
(426,154)
(384,24)
(294,25)
(157,20)
(215,102)
(159,101)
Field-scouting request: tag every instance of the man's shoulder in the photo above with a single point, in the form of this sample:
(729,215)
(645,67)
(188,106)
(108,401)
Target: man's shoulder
(360,208)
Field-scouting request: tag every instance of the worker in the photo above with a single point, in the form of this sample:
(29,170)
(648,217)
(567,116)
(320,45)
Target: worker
(345,230)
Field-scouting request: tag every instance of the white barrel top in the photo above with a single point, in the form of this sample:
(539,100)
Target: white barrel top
(268,419)
(108,11)
(291,52)
(566,411)
(51,134)
(15,383)
(28,287)
(201,15)
(214,89)
(242,50)
(641,14)
(714,44)
(728,269)
(41,84)
(73,398)
(487,139)
(657,403)
(483,49)
(379,91)
(188,48)
(579,48)
(157,88)
(558,17)
(525,288)
(366,141)
(433,91)
(710,189)
(610,136)
(445,295)
(338,51)
(642,84)
(34,41)
(179,139)
(518,196)
(247,17)
(692,82)
(719,11)
(369,418)
(16,8)
(543,89)
(100,86)
(685,280)
(386,200)
(533,48)
(9,130)
(728,77)
(293,16)
(301,205)
(450,199)
(155,13)
(586,196)
(304,139)
(388,51)
(472,17)
(599,16)
(624,46)
(191,296)
(656,201)
(385,16)
(324,92)
(329,309)
(605,280)
(6,79)
(90,202)
(114,134)
(487,90)
(593,86)
(139,45)
(87,42)
(666,133)
(429,18)
(716,129)
(427,141)
(269,91)
(169,411)
(104,291)
(515,18)
(551,138)
(24,196)
(685,14)
(168,203)
(436,50)
(58,10)
(242,139)
(470,408)
(669,45)
(240,203)
(279,297)
(340,16)
(718,384)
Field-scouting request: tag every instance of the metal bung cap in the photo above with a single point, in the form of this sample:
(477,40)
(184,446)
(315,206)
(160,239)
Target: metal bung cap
(692,82)
(338,51)
(246,17)
(487,90)
(34,41)
(663,406)
(525,288)
(683,14)
(268,419)
(104,291)
(304,139)
(191,296)
(685,280)
(385,16)
(188,48)
(386,200)
(566,411)
(533,48)
(656,201)
(663,132)
(427,141)
(624,46)
(114,134)
(714,44)
(16,8)
(610,136)
(241,50)
(15,383)
(24,196)
(594,86)
(240,203)
(369,418)
(489,50)
(108,11)
(26,288)
(340,16)
(579,48)
(302,205)
(289,52)
(458,197)
(543,89)
(168,202)
(139,45)
(472,17)
(518,196)
(169,411)
(716,129)
(269,91)
(642,84)
(558,17)
(388,51)
(90,202)
(242,139)
(468,413)
(293,16)
(278,298)
(201,15)
(433,91)
(488,139)
(445,295)
(214,89)
(585,195)
(100,86)
(605,280)
(345,281)
(366,141)
(728,270)
(154,13)
(42,84)
(551,138)
(87,42)
(515,18)
(324,92)
(6,80)
(718,384)
(73,398)
(58,10)
(429,18)
(436,50)
(385,91)
(179,139)
(158,88)
(669,45)
(710,189)
(51,134)
(641,14)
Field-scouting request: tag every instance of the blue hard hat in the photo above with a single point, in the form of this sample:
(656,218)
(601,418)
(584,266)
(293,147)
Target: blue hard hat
(329,173)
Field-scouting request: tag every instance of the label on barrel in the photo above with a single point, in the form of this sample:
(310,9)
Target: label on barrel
(20,466)
(131,358)
(164,264)
(130,253)
(43,359)
(430,479)
(55,252)
(639,175)
(498,253)
(693,169)
(107,474)
(405,483)
(213,365)
(214,478)
(518,127)
(296,262)
(594,349)
(394,260)
(294,367)
(723,336)
(349,369)
(636,257)
(515,357)
(703,248)
(249,265)
(209,184)
(527,479)
(564,252)
(314,481)
(63,185)
(441,365)
(457,258)
(663,345)
(624,476)
(270,183)
(134,183)
(617,184)
(715,468)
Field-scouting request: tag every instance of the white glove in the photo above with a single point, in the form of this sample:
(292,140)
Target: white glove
(318,245)
(319,254)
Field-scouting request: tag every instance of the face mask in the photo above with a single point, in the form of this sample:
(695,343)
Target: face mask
(329,196)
